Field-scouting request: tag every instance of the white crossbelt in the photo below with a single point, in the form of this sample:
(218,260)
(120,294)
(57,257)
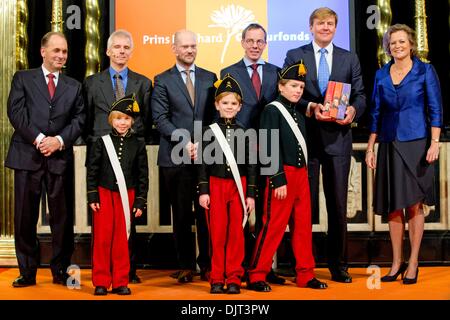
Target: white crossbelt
(120,180)
(294,127)
(233,165)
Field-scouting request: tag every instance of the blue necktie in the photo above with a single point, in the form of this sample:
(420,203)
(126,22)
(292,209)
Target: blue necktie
(324,72)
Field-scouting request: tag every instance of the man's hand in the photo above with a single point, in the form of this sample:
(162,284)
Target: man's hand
(192,150)
(49,145)
(318,108)
(350,114)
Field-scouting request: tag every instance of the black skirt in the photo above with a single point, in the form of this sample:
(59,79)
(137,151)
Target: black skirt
(403,176)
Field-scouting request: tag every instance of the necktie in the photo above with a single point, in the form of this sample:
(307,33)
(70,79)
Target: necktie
(324,72)
(51,85)
(256,80)
(119,91)
(190,85)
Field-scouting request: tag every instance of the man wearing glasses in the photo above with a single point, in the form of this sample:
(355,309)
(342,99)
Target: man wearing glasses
(258,80)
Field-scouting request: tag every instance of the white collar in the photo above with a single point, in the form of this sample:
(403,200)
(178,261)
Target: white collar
(316,47)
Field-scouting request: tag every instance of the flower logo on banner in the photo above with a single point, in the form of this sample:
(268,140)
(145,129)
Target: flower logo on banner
(234,19)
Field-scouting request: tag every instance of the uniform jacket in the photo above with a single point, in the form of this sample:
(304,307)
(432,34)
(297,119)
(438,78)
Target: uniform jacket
(172,107)
(31,111)
(222,169)
(133,160)
(289,150)
(252,107)
(331,137)
(406,112)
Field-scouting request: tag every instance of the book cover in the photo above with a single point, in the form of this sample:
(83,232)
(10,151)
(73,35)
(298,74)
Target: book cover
(336,99)
(328,98)
(345,98)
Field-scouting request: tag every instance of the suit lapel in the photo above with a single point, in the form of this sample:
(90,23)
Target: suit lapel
(310,62)
(269,78)
(41,84)
(337,63)
(198,86)
(246,80)
(60,88)
(178,80)
(132,84)
(107,90)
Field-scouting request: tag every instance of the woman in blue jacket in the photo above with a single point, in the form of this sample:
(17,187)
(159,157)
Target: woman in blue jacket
(406,118)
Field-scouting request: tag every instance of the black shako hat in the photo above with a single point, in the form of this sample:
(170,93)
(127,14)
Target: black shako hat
(296,71)
(227,84)
(127,105)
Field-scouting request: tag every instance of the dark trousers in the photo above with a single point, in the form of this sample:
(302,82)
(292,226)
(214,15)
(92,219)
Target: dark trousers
(180,183)
(335,171)
(27,191)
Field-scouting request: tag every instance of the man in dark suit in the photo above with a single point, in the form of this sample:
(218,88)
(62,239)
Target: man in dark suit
(101,90)
(329,142)
(259,81)
(183,94)
(46,109)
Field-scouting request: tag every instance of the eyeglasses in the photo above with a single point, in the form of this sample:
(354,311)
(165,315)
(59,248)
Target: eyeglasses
(251,42)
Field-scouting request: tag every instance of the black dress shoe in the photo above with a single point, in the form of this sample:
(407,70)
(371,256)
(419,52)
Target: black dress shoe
(122,291)
(100,291)
(204,274)
(217,288)
(316,284)
(175,274)
(341,276)
(61,278)
(133,278)
(274,279)
(260,286)
(233,288)
(185,276)
(21,282)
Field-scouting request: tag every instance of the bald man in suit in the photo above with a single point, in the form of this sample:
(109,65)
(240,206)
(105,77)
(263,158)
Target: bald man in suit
(46,109)
(183,94)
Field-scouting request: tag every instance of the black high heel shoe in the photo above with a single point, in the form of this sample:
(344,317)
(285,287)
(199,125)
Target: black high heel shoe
(411,280)
(401,270)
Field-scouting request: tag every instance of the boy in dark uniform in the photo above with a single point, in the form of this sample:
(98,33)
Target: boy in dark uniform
(222,185)
(114,157)
(287,192)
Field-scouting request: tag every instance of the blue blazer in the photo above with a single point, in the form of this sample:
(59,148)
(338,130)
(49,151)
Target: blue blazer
(252,107)
(407,112)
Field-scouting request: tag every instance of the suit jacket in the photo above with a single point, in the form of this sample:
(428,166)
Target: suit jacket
(252,107)
(31,111)
(172,108)
(334,139)
(406,112)
(99,96)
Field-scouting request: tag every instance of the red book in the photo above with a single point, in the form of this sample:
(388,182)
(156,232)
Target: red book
(336,99)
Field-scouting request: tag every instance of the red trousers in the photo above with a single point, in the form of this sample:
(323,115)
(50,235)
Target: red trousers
(225,217)
(294,210)
(110,259)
